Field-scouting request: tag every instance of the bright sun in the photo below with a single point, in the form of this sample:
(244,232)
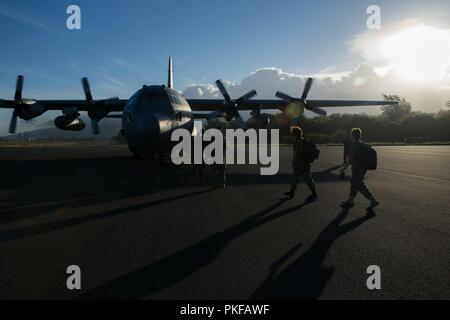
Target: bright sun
(419,53)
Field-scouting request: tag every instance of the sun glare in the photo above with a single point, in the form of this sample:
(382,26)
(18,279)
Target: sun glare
(419,53)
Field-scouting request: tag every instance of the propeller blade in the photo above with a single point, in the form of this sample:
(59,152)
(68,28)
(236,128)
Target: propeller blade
(317,110)
(284,96)
(13,123)
(247,96)
(236,115)
(19,87)
(223,91)
(87,89)
(95,127)
(308,85)
(240,123)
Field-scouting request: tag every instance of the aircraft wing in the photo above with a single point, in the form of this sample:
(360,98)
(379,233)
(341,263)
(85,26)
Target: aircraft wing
(115,105)
(214,104)
(80,105)
(349,103)
(28,109)
(284,102)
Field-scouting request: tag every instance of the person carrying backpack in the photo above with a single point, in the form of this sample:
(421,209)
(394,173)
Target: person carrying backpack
(362,157)
(347,143)
(305,152)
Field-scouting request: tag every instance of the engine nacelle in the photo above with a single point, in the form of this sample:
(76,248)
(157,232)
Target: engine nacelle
(30,110)
(69,123)
(260,122)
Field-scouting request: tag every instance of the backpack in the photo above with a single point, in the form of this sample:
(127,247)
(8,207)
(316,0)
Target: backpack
(367,156)
(310,151)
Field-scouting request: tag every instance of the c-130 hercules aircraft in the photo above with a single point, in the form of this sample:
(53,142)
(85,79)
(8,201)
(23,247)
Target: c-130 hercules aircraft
(153,112)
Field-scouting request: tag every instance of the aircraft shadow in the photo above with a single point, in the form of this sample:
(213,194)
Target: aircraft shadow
(46,186)
(180,265)
(49,186)
(305,278)
(32,230)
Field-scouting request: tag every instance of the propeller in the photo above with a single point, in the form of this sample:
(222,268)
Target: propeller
(302,100)
(97,110)
(231,107)
(19,88)
(19,103)
(86,89)
(13,122)
(25,109)
(307,87)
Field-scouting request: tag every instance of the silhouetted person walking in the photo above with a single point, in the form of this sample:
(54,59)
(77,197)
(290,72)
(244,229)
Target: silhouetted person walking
(221,167)
(304,154)
(358,160)
(347,145)
(198,169)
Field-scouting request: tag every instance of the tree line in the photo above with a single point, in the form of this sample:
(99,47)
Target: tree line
(396,124)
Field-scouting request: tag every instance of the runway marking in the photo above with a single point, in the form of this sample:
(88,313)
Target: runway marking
(399,173)
(412,175)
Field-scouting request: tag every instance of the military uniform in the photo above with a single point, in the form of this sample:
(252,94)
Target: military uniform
(301,168)
(358,173)
(198,169)
(220,168)
(347,145)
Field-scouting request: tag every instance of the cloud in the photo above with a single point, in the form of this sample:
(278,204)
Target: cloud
(410,49)
(121,63)
(25,19)
(364,82)
(111,79)
(361,83)
(16,69)
(407,58)
(367,44)
(102,77)
(381,72)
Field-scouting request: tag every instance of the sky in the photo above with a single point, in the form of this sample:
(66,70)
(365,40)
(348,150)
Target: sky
(123,45)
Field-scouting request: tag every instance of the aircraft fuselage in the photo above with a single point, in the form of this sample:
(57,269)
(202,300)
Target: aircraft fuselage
(150,117)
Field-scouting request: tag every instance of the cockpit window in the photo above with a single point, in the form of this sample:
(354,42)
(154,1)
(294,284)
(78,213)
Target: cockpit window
(155,99)
(174,98)
(178,100)
(153,95)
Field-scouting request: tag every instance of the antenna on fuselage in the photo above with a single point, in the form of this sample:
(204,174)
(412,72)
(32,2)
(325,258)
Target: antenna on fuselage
(170,75)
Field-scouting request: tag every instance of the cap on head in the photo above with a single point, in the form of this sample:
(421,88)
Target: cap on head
(297,131)
(356,133)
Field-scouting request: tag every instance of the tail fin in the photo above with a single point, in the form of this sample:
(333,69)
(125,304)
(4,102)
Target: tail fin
(170,75)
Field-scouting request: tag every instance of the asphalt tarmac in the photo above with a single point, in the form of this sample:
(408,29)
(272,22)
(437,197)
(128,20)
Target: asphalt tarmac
(138,230)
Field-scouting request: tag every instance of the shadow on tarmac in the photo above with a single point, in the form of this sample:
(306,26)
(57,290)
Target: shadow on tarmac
(33,230)
(182,264)
(47,186)
(52,186)
(305,278)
